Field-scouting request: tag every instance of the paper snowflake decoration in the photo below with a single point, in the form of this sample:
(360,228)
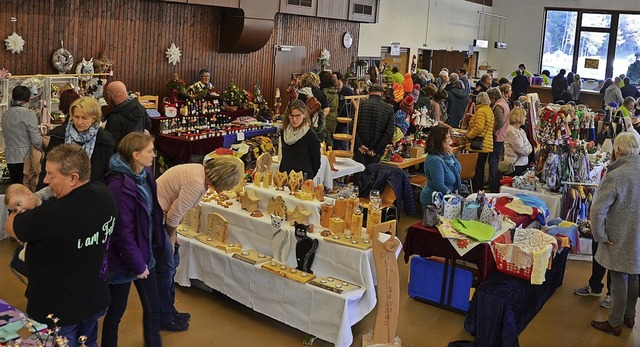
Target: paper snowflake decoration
(14,43)
(173,54)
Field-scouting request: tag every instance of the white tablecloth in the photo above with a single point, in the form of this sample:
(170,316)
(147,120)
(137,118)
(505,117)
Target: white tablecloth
(344,167)
(327,315)
(553,200)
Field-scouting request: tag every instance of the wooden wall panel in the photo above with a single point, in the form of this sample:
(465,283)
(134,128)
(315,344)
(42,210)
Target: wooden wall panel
(136,33)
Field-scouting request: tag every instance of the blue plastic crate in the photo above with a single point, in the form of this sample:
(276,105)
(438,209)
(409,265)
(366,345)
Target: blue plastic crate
(426,281)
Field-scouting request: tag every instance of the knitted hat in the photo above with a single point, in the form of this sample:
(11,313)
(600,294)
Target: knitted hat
(416,91)
(398,93)
(407,104)
(407,84)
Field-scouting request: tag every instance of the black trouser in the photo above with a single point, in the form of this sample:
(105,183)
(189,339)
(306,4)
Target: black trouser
(15,172)
(478,178)
(597,273)
(494,161)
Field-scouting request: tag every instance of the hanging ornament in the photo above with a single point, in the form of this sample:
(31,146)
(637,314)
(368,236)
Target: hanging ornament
(35,85)
(14,43)
(85,68)
(62,59)
(173,54)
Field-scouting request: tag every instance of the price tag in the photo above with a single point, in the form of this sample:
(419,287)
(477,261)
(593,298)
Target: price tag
(240,136)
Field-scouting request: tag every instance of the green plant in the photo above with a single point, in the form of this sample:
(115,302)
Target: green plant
(234,96)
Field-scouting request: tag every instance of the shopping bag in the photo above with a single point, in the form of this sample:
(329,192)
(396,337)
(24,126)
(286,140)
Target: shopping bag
(452,208)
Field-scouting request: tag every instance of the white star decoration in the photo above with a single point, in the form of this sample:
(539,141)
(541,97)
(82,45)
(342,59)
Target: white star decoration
(173,54)
(14,43)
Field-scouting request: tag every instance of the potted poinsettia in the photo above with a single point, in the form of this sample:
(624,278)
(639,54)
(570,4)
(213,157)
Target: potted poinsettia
(234,97)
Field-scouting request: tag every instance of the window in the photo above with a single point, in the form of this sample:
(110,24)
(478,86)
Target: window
(363,9)
(303,3)
(595,45)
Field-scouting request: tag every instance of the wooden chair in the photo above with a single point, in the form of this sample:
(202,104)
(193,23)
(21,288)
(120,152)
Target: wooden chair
(149,101)
(468,167)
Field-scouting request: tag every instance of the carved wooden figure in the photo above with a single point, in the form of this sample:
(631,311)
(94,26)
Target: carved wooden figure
(332,160)
(280,180)
(326,212)
(217,227)
(295,181)
(250,200)
(318,192)
(257,178)
(280,239)
(263,163)
(277,206)
(374,217)
(306,248)
(307,186)
(300,215)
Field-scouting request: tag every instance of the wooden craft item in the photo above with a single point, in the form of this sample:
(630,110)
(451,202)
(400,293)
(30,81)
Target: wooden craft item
(336,225)
(223,246)
(251,256)
(280,242)
(238,190)
(306,248)
(295,181)
(341,207)
(356,224)
(307,186)
(357,242)
(287,272)
(299,214)
(388,227)
(388,289)
(257,178)
(332,160)
(326,212)
(374,217)
(190,223)
(280,180)
(266,179)
(318,192)
(352,203)
(277,206)
(250,200)
(264,162)
(217,227)
(304,196)
(416,152)
(333,284)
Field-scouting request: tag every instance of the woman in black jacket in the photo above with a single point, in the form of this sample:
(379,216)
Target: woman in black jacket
(299,144)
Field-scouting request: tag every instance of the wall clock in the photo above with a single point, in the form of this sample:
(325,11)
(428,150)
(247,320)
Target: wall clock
(347,40)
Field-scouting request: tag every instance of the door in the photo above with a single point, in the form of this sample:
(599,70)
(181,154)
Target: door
(289,60)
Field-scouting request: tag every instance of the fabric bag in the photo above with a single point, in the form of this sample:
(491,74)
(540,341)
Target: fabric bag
(430,216)
(476,143)
(491,216)
(452,206)
(471,211)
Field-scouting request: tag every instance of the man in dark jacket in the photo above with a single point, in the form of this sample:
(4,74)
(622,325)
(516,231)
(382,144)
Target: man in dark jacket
(375,127)
(127,114)
(344,109)
(519,84)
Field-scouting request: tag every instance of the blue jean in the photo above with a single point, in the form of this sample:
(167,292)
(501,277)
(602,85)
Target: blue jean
(166,264)
(87,328)
(148,292)
(624,295)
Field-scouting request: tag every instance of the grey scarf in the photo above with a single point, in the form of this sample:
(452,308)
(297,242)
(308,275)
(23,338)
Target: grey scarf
(291,135)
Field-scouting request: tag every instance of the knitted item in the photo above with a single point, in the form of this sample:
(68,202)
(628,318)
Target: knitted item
(407,84)
(416,91)
(407,104)
(398,93)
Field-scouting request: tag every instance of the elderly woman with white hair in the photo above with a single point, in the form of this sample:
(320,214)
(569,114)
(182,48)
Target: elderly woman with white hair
(481,129)
(615,224)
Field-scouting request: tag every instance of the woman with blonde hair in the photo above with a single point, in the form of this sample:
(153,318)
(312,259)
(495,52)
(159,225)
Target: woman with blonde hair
(481,129)
(84,130)
(299,144)
(310,87)
(516,145)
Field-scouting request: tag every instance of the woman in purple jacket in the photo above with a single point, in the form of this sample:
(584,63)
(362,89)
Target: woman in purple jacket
(137,235)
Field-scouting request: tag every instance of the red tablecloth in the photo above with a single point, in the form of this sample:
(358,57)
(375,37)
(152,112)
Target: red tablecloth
(182,150)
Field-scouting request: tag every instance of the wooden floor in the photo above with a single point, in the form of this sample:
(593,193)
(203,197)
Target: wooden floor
(220,321)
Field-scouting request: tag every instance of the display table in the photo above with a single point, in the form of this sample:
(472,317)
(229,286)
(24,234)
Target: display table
(427,242)
(593,99)
(344,167)
(321,313)
(552,200)
(408,162)
(503,305)
(183,150)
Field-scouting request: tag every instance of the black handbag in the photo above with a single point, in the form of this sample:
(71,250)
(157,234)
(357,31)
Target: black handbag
(476,143)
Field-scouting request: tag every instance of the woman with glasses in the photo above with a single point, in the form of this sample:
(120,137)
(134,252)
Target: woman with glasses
(299,144)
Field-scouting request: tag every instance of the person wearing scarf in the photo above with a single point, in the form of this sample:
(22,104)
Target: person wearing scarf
(441,168)
(83,129)
(299,144)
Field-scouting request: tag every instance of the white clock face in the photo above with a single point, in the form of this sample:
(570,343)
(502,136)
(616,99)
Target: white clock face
(347,40)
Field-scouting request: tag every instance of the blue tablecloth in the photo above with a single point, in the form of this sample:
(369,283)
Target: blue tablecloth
(503,305)
(230,139)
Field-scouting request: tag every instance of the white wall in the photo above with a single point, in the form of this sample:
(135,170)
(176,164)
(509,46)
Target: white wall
(452,23)
(455,23)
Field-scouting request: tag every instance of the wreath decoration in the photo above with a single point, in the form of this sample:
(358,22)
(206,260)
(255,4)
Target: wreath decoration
(62,60)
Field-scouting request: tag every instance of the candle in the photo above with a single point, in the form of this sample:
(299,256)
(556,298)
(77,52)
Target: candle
(266,180)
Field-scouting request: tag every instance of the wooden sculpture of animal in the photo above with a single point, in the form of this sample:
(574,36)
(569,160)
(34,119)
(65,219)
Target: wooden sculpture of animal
(306,248)
(295,181)
(280,239)
(280,180)
(277,207)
